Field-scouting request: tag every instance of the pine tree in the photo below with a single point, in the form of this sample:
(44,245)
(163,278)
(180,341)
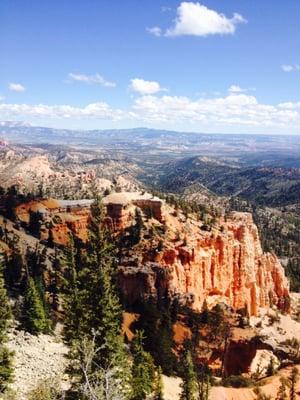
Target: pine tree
(260,395)
(6,369)
(158,387)
(5,313)
(35,320)
(293,379)
(34,222)
(271,368)
(136,230)
(105,312)
(143,370)
(40,286)
(164,344)
(189,378)
(92,307)
(203,377)
(74,294)
(14,268)
(36,262)
(157,327)
(281,394)
(55,282)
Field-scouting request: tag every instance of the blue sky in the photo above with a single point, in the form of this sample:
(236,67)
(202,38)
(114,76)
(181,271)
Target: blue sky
(208,66)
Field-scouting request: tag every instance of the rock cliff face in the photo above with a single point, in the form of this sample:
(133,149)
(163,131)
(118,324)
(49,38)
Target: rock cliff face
(177,255)
(227,266)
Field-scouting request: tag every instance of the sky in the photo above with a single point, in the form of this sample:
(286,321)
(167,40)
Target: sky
(224,66)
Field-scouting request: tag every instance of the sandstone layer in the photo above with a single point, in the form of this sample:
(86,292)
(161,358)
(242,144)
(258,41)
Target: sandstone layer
(175,255)
(226,265)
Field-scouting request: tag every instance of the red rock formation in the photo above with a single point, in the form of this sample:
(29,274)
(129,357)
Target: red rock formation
(227,266)
(223,265)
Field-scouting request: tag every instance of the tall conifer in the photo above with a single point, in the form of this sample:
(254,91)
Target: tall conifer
(92,306)
(143,370)
(6,369)
(189,378)
(35,320)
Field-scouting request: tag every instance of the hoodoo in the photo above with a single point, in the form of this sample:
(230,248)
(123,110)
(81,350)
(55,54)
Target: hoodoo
(223,264)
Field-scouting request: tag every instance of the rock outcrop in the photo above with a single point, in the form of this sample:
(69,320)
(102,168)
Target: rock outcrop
(177,255)
(219,266)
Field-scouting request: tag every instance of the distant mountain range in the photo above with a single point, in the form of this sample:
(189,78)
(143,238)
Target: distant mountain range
(149,145)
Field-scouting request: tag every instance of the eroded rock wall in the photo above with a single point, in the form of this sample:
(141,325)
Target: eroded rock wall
(227,266)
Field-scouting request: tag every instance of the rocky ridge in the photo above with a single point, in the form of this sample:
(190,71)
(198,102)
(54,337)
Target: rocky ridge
(178,255)
(225,264)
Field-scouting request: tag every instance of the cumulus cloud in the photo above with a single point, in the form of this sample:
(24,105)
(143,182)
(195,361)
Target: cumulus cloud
(197,20)
(290,68)
(290,105)
(16,87)
(90,79)
(155,31)
(145,87)
(99,110)
(234,109)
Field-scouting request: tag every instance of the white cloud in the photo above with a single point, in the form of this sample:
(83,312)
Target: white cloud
(234,109)
(236,89)
(197,20)
(155,30)
(289,105)
(99,110)
(235,112)
(2,98)
(145,87)
(91,79)
(16,87)
(290,68)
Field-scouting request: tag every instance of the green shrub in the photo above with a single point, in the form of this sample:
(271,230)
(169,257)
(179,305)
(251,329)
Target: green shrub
(237,381)
(46,390)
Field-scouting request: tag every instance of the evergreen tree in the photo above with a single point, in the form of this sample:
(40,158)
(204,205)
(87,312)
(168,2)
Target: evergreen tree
(158,389)
(55,282)
(104,309)
(143,370)
(50,240)
(34,222)
(14,268)
(40,286)
(189,378)
(293,379)
(165,344)
(6,369)
(136,229)
(203,376)
(92,307)
(36,262)
(35,320)
(74,293)
(157,327)
(281,394)
(271,368)
(5,313)
(260,395)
